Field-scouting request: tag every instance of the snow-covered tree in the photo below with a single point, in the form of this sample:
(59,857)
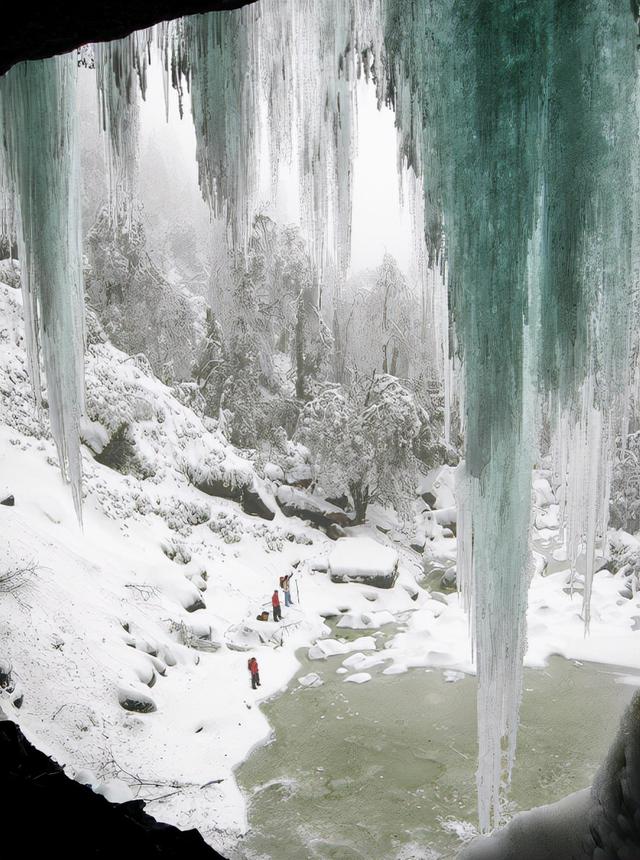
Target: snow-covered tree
(268,345)
(139,309)
(624,508)
(376,324)
(363,440)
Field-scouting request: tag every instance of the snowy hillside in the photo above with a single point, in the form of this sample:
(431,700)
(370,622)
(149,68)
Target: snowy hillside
(101,616)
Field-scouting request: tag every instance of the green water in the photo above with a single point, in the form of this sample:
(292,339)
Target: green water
(373,770)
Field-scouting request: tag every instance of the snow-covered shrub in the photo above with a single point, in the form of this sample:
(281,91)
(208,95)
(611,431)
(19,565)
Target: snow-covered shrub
(176,551)
(10,273)
(624,508)
(182,515)
(120,454)
(227,526)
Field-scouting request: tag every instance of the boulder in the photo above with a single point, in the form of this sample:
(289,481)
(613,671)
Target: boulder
(198,603)
(133,700)
(335,532)
(9,501)
(311,680)
(300,475)
(297,503)
(340,502)
(223,489)
(429,499)
(362,559)
(272,472)
(254,504)
(5,675)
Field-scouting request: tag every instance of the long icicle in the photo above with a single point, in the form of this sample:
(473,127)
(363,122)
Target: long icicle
(39,141)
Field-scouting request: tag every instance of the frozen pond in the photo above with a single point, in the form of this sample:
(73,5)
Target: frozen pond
(385,770)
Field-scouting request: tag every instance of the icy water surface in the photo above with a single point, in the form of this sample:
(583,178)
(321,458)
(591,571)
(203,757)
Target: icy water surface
(385,770)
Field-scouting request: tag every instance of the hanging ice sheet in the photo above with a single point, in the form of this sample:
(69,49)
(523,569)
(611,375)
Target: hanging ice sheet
(39,148)
(522,118)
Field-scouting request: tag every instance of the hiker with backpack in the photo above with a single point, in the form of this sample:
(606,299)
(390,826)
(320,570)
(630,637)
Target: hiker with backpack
(285,585)
(275,602)
(252,665)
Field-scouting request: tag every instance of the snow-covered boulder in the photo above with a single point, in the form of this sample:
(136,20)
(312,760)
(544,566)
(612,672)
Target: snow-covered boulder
(331,647)
(437,488)
(366,620)
(311,680)
(300,475)
(297,503)
(273,472)
(135,700)
(257,502)
(241,637)
(542,493)
(362,559)
(358,678)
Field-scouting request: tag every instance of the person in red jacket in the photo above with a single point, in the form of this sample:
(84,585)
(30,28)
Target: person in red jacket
(255,674)
(275,602)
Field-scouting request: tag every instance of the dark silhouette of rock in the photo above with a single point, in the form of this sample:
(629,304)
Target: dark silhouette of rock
(429,499)
(253,504)
(9,501)
(32,32)
(297,503)
(334,531)
(50,814)
(198,603)
(132,700)
(340,502)
(601,823)
(220,488)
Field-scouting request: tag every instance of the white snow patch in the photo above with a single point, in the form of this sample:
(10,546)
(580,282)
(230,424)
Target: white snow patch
(358,678)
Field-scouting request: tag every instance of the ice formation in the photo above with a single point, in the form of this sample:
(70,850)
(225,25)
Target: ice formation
(523,119)
(520,121)
(274,78)
(121,76)
(39,142)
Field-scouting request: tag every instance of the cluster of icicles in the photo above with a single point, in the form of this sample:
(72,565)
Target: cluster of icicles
(520,122)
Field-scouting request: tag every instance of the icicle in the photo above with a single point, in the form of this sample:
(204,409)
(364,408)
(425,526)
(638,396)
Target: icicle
(522,119)
(121,68)
(38,125)
(301,59)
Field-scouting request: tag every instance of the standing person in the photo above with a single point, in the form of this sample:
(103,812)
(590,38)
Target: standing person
(255,673)
(275,602)
(286,587)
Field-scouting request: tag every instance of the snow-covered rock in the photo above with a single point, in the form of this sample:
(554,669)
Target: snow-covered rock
(297,503)
(324,648)
(311,680)
(358,678)
(362,559)
(366,620)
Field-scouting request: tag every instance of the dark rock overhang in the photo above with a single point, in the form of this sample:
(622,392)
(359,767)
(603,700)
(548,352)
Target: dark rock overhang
(33,31)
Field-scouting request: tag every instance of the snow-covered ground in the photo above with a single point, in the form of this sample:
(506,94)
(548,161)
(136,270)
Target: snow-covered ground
(97,618)
(102,612)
